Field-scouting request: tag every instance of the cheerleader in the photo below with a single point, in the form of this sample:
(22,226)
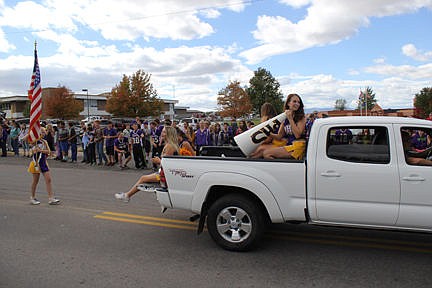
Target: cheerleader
(38,165)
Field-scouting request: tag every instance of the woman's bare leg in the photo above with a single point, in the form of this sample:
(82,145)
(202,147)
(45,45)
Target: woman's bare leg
(276,153)
(48,184)
(150,178)
(258,153)
(34,184)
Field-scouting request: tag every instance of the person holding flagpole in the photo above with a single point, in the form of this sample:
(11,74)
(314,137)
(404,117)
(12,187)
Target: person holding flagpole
(40,147)
(41,151)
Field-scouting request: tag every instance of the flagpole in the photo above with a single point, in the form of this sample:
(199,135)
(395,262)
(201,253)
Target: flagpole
(366,94)
(35,96)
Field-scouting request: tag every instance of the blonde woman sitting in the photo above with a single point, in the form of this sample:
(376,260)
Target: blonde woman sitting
(170,138)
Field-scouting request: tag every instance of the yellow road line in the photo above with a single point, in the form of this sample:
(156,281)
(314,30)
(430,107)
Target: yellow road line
(133,216)
(129,220)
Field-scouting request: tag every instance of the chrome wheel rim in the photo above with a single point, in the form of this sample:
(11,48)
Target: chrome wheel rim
(234,224)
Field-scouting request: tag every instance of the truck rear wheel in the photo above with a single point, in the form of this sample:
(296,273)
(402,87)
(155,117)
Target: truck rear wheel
(235,222)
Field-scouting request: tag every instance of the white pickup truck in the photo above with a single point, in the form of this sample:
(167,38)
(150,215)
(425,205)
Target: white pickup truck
(362,180)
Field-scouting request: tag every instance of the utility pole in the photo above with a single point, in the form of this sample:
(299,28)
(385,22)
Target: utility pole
(88,105)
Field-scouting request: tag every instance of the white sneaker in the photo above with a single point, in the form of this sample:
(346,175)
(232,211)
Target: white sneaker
(34,201)
(122,196)
(53,201)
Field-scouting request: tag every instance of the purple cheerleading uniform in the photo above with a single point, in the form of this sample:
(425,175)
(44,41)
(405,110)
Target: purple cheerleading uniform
(289,134)
(41,158)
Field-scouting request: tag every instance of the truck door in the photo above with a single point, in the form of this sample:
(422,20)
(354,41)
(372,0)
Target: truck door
(416,180)
(356,178)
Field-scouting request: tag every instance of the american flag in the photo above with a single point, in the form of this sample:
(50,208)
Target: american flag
(35,96)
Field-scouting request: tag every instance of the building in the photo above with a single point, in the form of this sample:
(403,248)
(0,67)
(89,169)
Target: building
(94,105)
(375,111)
(14,106)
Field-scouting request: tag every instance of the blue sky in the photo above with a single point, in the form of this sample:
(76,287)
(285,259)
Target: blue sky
(323,50)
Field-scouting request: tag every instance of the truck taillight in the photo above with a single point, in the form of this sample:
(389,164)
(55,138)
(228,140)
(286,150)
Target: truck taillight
(162,179)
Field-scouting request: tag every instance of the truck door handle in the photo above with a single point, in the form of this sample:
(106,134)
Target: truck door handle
(413,178)
(330,174)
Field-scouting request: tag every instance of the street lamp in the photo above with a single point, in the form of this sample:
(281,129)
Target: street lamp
(88,105)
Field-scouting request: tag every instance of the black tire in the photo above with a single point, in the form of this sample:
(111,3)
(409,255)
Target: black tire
(236,222)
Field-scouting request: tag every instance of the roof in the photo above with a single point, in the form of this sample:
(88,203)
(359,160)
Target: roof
(14,98)
(373,120)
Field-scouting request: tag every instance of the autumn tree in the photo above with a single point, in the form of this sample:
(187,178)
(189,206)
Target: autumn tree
(423,102)
(234,101)
(60,103)
(340,104)
(134,96)
(367,99)
(263,87)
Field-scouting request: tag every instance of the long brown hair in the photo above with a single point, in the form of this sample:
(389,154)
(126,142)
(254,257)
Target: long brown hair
(268,111)
(299,114)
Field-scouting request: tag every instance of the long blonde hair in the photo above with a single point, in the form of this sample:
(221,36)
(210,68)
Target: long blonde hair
(171,137)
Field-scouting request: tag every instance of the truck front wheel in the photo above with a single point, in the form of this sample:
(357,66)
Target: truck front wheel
(236,222)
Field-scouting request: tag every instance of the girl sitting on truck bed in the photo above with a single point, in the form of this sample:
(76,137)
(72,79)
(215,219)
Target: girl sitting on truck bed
(293,129)
(170,138)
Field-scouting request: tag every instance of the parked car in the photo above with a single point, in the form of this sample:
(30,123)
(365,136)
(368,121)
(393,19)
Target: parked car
(192,121)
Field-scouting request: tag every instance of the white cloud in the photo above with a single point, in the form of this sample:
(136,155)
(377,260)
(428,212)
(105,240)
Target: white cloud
(120,20)
(379,60)
(321,91)
(296,3)
(33,16)
(5,46)
(198,73)
(210,13)
(411,51)
(326,22)
(420,72)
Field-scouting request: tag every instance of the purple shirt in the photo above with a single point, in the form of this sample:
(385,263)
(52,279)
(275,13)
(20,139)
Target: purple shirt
(122,145)
(135,136)
(343,136)
(4,135)
(159,130)
(419,142)
(110,132)
(202,137)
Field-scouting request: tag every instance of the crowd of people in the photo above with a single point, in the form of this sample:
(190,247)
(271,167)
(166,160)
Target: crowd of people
(106,146)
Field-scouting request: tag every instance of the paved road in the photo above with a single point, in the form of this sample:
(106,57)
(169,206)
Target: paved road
(92,240)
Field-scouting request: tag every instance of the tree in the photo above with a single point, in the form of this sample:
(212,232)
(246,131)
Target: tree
(234,101)
(340,104)
(423,102)
(134,96)
(61,103)
(367,99)
(264,88)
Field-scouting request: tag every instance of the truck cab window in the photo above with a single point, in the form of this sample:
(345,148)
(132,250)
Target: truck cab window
(417,144)
(359,144)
